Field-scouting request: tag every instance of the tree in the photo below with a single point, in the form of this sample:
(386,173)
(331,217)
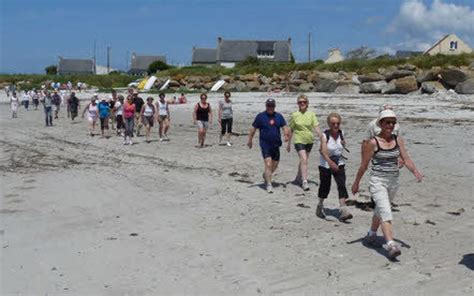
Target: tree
(157,66)
(361,53)
(51,70)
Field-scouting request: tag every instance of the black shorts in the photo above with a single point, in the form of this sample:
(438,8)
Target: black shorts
(325,182)
(119,120)
(226,126)
(104,123)
(148,120)
(307,147)
(273,152)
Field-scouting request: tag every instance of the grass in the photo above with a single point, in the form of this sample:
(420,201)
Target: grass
(264,68)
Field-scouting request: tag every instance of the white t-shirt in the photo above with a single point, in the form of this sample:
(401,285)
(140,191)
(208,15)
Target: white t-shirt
(335,149)
(119,108)
(373,129)
(162,108)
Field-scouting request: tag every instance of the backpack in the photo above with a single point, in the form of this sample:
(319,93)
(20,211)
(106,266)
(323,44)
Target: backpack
(340,134)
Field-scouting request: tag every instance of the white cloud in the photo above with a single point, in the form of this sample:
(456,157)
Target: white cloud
(421,25)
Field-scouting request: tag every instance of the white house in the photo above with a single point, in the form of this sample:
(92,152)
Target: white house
(334,56)
(449,45)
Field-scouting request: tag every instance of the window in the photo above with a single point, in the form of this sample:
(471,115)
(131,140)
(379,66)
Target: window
(453,45)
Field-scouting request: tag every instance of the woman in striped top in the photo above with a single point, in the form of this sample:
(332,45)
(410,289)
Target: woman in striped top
(383,150)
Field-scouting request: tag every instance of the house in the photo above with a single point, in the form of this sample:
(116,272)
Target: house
(404,54)
(230,52)
(449,45)
(75,66)
(204,56)
(140,63)
(334,56)
(103,70)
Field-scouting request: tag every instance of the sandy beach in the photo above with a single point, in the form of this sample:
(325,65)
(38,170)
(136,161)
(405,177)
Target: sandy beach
(83,215)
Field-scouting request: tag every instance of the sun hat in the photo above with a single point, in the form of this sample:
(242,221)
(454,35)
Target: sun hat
(270,102)
(386,114)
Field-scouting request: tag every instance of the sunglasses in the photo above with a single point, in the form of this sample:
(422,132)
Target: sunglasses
(302,102)
(390,122)
(335,123)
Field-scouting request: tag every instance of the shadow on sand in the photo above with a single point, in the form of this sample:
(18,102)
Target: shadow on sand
(468,261)
(378,246)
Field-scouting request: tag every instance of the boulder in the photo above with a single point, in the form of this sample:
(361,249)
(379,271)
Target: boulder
(297,82)
(174,83)
(372,87)
(193,79)
(371,77)
(278,77)
(240,86)
(325,84)
(471,66)
(408,67)
(396,74)
(252,85)
(429,75)
(402,85)
(465,87)
(328,75)
(312,77)
(347,88)
(208,85)
(305,87)
(226,78)
(431,87)
(452,77)
(248,77)
(264,80)
(264,87)
(297,75)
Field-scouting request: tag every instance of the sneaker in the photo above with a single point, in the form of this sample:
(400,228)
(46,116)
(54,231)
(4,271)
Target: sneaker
(393,250)
(229,144)
(370,240)
(130,142)
(320,211)
(161,139)
(305,185)
(166,138)
(345,215)
(269,188)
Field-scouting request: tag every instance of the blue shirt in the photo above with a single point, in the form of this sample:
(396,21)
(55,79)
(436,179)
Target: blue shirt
(269,128)
(104,109)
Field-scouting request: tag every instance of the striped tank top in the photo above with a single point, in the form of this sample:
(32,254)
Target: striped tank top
(385,161)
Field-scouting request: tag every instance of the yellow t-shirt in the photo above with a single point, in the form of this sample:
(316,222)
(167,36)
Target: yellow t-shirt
(302,125)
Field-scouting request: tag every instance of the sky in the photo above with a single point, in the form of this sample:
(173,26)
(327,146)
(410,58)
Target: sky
(35,32)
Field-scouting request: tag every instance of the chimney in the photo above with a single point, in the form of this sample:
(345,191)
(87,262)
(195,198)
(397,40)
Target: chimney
(289,39)
(219,39)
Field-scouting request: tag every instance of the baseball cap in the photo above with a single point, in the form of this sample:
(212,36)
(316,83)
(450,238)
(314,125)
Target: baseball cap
(270,102)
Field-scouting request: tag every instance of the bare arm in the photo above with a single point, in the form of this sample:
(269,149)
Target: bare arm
(194,113)
(251,135)
(407,160)
(290,136)
(219,114)
(318,132)
(367,153)
(210,114)
(84,112)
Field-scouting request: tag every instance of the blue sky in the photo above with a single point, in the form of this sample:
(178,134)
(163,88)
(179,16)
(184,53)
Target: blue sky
(34,33)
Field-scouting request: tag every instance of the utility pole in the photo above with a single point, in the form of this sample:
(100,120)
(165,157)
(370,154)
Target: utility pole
(309,47)
(95,54)
(108,59)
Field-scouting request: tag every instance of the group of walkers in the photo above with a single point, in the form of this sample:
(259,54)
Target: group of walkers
(383,147)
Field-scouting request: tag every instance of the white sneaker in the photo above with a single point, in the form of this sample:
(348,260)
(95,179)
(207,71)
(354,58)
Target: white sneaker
(305,185)
(229,144)
(130,142)
(269,188)
(161,139)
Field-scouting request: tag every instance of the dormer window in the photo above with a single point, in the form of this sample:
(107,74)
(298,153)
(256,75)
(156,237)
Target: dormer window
(453,45)
(265,54)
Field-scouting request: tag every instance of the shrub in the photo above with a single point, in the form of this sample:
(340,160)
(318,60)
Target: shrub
(51,70)
(157,66)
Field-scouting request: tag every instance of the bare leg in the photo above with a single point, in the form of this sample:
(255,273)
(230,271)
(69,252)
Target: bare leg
(375,223)
(166,127)
(268,170)
(160,129)
(303,165)
(387,230)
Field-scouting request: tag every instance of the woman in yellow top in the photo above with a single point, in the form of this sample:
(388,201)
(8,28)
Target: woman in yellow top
(303,124)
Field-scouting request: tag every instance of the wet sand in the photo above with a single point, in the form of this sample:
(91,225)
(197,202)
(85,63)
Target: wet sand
(83,215)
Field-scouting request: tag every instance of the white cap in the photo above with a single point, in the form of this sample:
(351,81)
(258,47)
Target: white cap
(386,114)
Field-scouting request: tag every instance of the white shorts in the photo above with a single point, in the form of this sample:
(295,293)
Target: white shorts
(382,191)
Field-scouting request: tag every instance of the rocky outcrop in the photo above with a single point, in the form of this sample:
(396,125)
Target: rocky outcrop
(465,87)
(372,87)
(371,77)
(431,87)
(452,77)
(402,85)
(428,75)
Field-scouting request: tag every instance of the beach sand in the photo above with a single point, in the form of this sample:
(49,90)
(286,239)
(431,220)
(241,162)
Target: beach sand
(83,215)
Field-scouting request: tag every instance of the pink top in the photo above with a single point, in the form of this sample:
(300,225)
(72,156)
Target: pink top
(128,110)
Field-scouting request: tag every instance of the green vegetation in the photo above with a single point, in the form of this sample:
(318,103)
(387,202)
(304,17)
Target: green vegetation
(157,66)
(51,70)
(114,80)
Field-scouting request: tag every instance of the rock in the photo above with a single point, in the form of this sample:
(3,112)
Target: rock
(389,88)
(208,85)
(296,75)
(328,75)
(297,82)
(408,67)
(325,85)
(264,87)
(252,85)
(312,77)
(226,78)
(247,77)
(397,74)
(402,85)
(174,83)
(371,77)
(264,80)
(307,86)
(355,79)
(206,79)
(465,87)
(430,75)
(347,88)
(372,87)
(278,77)
(240,86)
(452,77)
(193,79)
(431,87)
(471,66)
